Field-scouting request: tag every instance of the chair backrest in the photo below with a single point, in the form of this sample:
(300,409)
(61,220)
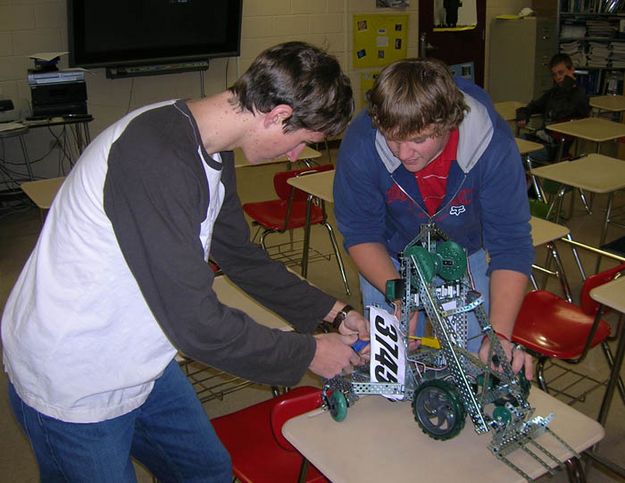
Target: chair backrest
(588,305)
(295,402)
(283,189)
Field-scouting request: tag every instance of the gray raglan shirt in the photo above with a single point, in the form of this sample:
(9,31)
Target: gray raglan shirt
(118,281)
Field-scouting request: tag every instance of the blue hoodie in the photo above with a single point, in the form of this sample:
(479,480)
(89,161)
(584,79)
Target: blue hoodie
(377,200)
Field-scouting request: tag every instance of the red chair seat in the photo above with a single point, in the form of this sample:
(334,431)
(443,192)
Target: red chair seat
(258,450)
(553,327)
(272,214)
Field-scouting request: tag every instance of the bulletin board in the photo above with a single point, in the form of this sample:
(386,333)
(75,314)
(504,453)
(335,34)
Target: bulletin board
(367,80)
(379,39)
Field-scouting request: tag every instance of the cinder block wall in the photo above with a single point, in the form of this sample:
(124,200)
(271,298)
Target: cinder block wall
(30,26)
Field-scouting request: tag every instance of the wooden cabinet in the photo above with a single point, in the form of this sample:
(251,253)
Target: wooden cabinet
(520,50)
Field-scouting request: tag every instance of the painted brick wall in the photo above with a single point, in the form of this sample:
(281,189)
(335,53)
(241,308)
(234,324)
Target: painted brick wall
(29,26)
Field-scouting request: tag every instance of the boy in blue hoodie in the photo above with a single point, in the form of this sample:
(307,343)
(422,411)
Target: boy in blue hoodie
(432,149)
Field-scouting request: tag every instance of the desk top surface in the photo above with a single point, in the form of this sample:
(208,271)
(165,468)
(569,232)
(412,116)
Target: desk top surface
(595,172)
(241,161)
(608,103)
(43,191)
(232,296)
(544,231)
(380,441)
(526,146)
(591,128)
(317,184)
(507,109)
(611,294)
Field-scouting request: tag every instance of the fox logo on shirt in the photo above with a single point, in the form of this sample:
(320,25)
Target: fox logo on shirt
(457,210)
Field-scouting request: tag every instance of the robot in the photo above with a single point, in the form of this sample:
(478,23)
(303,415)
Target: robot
(442,379)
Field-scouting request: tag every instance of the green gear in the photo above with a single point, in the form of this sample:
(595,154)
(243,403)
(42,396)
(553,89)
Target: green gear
(452,260)
(502,415)
(338,406)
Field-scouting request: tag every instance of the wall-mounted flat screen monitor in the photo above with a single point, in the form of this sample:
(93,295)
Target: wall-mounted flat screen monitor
(106,33)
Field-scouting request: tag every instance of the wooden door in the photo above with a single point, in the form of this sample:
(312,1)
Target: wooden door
(454,46)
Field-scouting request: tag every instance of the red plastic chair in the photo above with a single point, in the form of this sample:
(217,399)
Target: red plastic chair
(551,327)
(288,212)
(253,437)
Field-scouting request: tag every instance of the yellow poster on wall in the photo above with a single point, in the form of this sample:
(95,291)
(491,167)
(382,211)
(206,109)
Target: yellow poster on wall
(379,39)
(366,84)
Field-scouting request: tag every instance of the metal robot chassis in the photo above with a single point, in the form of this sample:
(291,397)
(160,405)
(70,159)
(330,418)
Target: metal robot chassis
(443,380)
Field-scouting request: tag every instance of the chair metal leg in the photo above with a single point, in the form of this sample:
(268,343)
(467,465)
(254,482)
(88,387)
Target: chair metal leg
(337,254)
(610,358)
(614,377)
(263,236)
(582,196)
(309,202)
(560,271)
(575,470)
(303,471)
(604,230)
(533,281)
(540,374)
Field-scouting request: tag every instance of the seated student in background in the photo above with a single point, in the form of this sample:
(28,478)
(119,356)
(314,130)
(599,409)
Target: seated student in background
(564,101)
(433,150)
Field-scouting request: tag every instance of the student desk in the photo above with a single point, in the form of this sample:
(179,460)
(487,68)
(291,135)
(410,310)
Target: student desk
(306,156)
(232,296)
(43,191)
(507,109)
(317,185)
(379,440)
(210,383)
(612,294)
(595,173)
(593,129)
(608,103)
(546,233)
(525,147)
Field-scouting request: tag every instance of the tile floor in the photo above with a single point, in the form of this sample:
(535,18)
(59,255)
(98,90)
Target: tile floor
(18,233)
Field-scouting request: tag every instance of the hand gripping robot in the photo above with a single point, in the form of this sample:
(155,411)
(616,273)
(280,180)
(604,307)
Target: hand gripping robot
(444,381)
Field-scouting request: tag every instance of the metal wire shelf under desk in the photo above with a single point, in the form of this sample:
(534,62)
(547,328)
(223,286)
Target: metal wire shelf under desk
(290,253)
(210,383)
(569,385)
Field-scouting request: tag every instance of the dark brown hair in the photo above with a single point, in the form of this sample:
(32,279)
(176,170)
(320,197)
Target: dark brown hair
(303,77)
(414,95)
(561,59)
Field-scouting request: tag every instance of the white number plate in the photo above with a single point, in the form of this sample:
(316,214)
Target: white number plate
(387,349)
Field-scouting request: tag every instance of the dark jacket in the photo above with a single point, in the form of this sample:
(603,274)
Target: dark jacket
(560,103)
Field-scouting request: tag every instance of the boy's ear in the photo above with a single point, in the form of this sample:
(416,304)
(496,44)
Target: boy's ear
(278,115)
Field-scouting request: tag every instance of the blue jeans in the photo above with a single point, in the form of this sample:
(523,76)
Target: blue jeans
(170,434)
(478,267)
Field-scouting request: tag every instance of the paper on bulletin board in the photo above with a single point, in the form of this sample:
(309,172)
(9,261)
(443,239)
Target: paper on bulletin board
(366,84)
(379,39)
